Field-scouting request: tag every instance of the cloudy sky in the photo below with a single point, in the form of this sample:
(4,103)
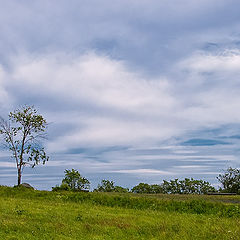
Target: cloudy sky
(134,91)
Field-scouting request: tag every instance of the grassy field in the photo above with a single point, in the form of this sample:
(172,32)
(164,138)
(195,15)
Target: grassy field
(28,214)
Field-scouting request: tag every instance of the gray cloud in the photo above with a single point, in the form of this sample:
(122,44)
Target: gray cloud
(112,77)
(146,33)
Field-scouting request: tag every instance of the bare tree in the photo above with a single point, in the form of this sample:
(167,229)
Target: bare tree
(22,134)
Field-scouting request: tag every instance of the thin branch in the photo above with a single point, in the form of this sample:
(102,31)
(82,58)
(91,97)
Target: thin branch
(7,131)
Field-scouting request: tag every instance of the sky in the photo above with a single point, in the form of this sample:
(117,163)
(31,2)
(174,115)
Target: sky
(133,91)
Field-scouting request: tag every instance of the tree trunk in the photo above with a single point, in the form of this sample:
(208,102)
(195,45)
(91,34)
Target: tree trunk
(19,176)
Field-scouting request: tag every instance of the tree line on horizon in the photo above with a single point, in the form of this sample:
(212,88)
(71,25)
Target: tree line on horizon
(230,181)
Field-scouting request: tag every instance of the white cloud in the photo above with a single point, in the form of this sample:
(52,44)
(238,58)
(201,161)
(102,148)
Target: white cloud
(4,97)
(107,104)
(96,79)
(112,105)
(218,93)
(226,61)
(162,89)
(144,172)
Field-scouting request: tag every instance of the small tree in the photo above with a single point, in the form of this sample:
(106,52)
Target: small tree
(75,181)
(145,188)
(108,186)
(142,188)
(22,134)
(120,189)
(230,180)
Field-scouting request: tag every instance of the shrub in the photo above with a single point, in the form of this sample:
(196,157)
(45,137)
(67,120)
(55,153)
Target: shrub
(73,181)
(230,180)
(186,186)
(108,186)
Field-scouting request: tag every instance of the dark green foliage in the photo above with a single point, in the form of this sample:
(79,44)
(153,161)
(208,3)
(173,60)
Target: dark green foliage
(62,187)
(230,180)
(146,188)
(108,186)
(156,188)
(120,189)
(186,186)
(21,135)
(73,181)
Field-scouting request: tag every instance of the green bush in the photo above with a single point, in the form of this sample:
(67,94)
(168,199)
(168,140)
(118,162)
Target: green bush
(73,181)
(186,186)
(108,186)
(62,187)
(230,180)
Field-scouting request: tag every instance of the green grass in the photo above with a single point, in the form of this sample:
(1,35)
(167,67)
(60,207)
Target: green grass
(27,214)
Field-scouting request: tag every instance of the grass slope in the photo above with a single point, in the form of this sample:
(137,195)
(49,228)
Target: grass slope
(27,214)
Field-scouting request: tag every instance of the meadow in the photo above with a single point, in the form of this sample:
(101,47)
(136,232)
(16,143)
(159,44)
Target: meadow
(31,214)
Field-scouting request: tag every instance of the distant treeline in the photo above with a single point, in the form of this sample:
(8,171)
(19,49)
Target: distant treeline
(186,186)
(230,181)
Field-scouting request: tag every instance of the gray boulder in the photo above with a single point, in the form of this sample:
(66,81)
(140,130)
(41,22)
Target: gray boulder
(26,185)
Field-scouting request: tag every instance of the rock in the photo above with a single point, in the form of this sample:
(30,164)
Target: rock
(26,185)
